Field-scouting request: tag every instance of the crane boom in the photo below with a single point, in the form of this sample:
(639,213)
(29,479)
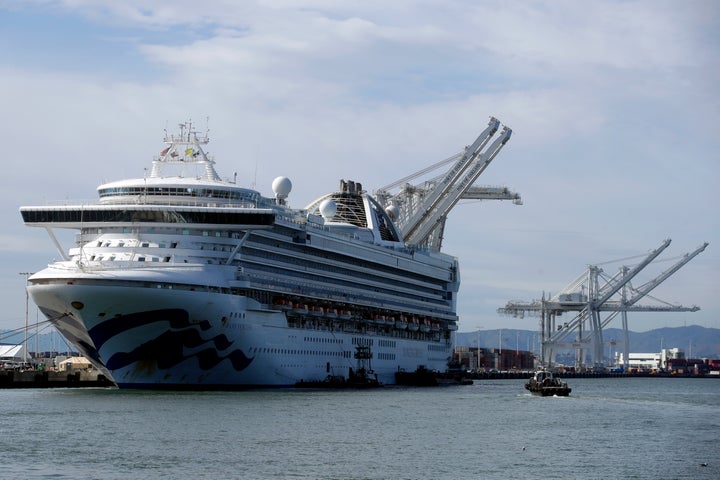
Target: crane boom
(626,278)
(646,288)
(450,179)
(437,209)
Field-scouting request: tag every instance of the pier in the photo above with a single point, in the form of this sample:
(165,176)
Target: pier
(48,379)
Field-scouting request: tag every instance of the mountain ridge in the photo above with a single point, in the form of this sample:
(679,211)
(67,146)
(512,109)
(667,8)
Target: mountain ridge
(696,341)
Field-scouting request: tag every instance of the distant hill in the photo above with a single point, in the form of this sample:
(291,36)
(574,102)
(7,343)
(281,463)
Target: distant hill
(700,342)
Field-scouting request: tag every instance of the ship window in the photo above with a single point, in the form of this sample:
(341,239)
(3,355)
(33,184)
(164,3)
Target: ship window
(154,259)
(121,244)
(161,245)
(167,259)
(141,259)
(145,245)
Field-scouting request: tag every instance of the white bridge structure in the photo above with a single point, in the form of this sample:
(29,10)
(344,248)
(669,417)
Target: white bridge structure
(420,210)
(595,299)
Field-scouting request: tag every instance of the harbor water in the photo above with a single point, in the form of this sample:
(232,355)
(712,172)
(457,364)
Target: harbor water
(630,428)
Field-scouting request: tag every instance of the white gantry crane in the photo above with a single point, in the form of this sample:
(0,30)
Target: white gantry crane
(591,295)
(421,210)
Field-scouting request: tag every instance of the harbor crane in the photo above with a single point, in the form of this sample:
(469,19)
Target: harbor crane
(420,211)
(591,298)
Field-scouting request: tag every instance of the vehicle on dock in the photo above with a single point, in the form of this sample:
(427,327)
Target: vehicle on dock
(545,384)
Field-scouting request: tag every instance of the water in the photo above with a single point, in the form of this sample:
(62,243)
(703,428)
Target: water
(640,428)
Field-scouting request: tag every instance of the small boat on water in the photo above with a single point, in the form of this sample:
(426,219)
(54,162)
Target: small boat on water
(544,383)
(362,377)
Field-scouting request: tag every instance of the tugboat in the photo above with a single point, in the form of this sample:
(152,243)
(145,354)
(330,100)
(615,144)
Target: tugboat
(363,377)
(545,384)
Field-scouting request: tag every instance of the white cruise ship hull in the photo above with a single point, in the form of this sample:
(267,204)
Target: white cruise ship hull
(144,337)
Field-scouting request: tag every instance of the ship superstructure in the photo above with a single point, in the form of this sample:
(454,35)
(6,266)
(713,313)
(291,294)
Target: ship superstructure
(181,279)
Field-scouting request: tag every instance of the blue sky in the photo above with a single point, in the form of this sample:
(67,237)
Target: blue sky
(613,105)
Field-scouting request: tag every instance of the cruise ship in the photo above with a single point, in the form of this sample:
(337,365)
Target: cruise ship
(184,280)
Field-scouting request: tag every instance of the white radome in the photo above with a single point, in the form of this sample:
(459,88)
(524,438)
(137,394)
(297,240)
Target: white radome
(328,209)
(281,187)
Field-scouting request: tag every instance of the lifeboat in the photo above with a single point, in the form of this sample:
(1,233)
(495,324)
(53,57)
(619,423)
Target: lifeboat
(317,311)
(434,326)
(300,309)
(280,303)
(425,325)
(401,323)
(345,315)
(331,313)
(414,325)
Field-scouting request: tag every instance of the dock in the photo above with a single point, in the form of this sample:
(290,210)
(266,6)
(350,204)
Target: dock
(49,379)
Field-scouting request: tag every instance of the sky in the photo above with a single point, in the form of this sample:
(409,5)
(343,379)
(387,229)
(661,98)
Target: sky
(614,109)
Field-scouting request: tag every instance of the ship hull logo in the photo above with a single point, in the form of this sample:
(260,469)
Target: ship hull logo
(168,349)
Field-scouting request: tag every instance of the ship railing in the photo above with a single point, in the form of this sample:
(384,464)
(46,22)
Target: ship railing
(138,201)
(95,266)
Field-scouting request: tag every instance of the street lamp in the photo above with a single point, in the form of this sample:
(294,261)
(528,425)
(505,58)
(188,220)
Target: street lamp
(27,300)
(478,349)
